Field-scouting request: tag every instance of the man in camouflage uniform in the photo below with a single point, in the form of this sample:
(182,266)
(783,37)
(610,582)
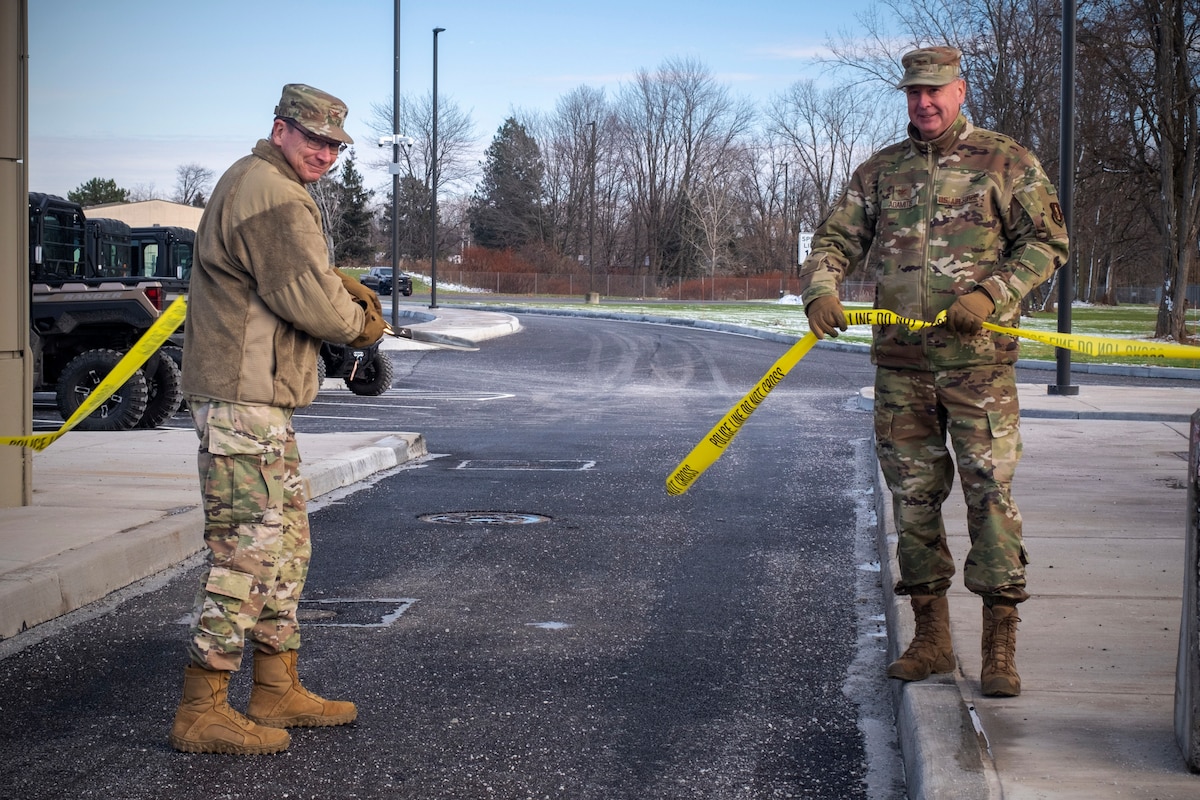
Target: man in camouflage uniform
(964,221)
(262,297)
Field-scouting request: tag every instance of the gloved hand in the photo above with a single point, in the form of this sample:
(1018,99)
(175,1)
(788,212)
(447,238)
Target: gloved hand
(826,316)
(968,312)
(362,294)
(373,329)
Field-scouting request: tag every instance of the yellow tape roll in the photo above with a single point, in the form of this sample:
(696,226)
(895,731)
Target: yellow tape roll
(139,354)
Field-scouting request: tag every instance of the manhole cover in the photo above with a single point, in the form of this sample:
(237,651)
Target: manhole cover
(484,518)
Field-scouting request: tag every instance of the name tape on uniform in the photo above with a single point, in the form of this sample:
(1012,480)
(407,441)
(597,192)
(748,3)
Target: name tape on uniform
(131,362)
(710,448)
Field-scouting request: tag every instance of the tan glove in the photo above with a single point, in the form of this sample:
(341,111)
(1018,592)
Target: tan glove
(362,294)
(373,329)
(826,316)
(968,312)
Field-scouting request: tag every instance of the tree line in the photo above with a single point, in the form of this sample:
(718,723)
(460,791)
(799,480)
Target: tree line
(673,176)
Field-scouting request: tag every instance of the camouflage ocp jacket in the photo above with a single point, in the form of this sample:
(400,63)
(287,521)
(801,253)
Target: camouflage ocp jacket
(934,220)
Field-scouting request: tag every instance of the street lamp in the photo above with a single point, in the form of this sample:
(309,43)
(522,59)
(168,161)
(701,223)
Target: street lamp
(787,234)
(433,183)
(395,167)
(592,214)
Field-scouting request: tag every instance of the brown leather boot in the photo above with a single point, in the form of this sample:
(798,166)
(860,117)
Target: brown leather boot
(205,723)
(999,676)
(278,700)
(930,650)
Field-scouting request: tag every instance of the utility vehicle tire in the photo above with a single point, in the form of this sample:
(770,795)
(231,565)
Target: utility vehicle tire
(322,370)
(373,378)
(121,411)
(164,384)
(176,354)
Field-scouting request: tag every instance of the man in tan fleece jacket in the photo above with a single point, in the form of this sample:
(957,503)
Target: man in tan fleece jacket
(262,297)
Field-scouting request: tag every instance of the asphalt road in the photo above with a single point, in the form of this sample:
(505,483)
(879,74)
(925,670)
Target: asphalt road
(526,613)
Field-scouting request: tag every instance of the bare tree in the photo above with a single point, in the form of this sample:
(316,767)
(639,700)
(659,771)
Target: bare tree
(144,191)
(192,183)
(567,139)
(456,139)
(713,206)
(456,142)
(675,123)
(1146,48)
(829,132)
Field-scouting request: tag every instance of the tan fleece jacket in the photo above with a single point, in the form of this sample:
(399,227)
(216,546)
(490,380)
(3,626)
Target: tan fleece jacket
(262,293)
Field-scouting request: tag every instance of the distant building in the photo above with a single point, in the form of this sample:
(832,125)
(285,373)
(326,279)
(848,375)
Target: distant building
(147,213)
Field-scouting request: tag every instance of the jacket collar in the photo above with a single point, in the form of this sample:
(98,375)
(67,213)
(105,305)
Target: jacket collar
(274,156)
(958,129)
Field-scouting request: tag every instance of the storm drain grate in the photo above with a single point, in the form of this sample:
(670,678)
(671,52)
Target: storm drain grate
(484,518)
(519,464)
(350,613)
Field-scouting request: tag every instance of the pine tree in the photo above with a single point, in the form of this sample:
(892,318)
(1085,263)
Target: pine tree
(353,231)
(98,191)
(506,211)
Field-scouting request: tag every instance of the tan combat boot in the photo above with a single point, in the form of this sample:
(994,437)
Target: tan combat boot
(930,650)
(278,700)
(205,723)
(999,676)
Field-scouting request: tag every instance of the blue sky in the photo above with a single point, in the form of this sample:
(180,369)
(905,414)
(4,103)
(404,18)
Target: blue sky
(131,89)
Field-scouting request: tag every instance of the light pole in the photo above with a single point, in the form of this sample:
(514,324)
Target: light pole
(395,169)
(787,234)
(592,213)
(433,183)
(1066,188)
(396,140)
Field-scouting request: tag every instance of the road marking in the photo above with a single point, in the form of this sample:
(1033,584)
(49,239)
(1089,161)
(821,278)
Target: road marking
(521,464)
(380,612)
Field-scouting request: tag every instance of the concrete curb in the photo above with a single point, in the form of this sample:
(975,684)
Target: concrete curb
(940,747)
(348,467)
(153,540)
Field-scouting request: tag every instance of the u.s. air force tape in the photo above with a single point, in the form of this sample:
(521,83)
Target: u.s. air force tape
(148,345)
(711,447)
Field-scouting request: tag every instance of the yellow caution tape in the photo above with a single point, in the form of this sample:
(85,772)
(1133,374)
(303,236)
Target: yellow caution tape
(711,447)
(139,354)
(1102,346)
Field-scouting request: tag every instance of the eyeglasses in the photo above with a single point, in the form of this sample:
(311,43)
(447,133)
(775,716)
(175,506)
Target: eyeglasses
(315,143)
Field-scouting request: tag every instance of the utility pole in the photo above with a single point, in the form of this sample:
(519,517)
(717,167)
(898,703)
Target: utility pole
(433,183)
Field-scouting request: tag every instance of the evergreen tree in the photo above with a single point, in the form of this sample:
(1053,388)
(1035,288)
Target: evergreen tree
(506,211)
(98,191)
(353,228)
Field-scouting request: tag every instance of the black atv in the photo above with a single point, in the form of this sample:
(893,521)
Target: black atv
(366,370)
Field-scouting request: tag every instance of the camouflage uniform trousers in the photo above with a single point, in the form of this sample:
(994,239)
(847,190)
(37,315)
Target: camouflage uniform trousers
(256,529)
(978,408)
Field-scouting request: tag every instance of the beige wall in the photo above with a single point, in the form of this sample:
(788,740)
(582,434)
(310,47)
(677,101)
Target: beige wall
(147,213)
(16,387)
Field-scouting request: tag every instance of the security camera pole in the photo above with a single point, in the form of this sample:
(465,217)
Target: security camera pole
(396,141)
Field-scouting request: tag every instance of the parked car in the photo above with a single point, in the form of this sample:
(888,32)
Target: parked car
(380,279)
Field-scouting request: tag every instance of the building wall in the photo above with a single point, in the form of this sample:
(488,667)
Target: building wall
(147,213)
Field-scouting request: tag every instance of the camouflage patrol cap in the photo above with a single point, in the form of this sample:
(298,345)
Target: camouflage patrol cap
(318,113)
(930,66)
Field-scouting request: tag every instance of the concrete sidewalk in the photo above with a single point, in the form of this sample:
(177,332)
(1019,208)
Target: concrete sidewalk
(1102,490)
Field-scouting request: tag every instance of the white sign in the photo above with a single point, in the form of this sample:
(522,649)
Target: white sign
(803,246)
